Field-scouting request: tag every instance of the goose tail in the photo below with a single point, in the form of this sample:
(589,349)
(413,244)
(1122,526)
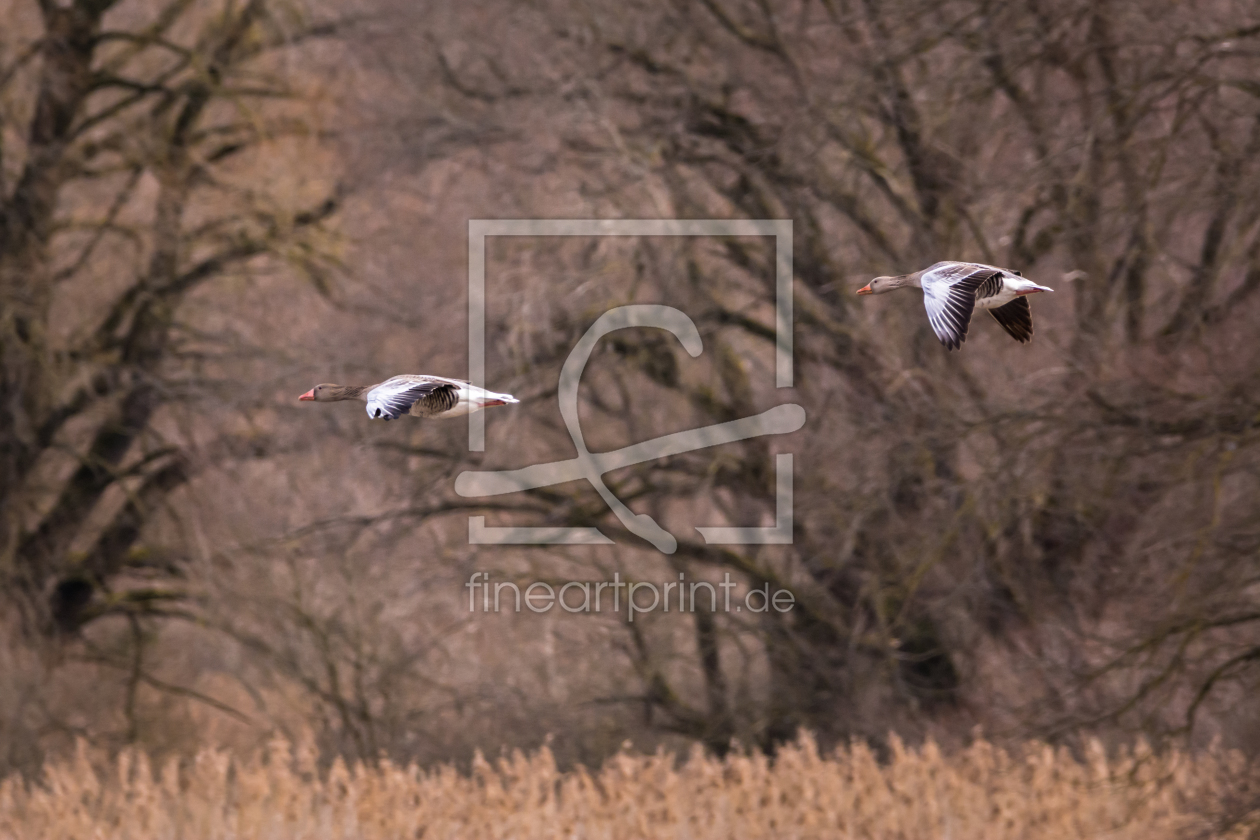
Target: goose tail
(476,399)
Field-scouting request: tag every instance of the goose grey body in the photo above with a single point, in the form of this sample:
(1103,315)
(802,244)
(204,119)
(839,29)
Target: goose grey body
(953,290)
(417,395)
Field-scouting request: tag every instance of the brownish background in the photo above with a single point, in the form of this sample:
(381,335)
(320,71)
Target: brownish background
(208,207)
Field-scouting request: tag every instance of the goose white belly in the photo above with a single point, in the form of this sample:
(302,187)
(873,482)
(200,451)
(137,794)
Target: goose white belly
(471,398)
(1004,296)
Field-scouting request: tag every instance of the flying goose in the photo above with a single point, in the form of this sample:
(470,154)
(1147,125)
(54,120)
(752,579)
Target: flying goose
(951,290)
(419,395)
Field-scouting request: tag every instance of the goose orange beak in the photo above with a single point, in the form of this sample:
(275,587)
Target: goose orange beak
(309,396)
(865,290)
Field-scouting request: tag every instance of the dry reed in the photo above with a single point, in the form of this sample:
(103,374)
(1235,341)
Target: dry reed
(979,792)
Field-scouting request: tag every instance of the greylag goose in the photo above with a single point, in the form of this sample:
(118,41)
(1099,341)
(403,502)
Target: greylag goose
(952,290)
(416,394)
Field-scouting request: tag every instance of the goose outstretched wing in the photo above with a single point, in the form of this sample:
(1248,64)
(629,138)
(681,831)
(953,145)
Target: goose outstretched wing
(393,398)
(949,294)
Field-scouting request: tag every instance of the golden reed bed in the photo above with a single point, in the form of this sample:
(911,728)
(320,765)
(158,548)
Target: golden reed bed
(980,792)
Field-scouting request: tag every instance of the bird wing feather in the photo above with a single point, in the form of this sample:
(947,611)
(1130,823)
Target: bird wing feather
(395,397)
(1016,318)
(949,294)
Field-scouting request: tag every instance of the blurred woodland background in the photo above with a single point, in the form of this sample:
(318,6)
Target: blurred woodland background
(209,206)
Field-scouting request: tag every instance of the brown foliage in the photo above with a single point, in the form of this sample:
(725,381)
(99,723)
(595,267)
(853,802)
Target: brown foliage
(982,792)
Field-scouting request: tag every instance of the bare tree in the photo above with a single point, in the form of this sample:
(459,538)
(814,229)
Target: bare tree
(982,519)
(125,137)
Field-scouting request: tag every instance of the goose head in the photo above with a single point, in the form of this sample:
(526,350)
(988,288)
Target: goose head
(882,284)
(324,393)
